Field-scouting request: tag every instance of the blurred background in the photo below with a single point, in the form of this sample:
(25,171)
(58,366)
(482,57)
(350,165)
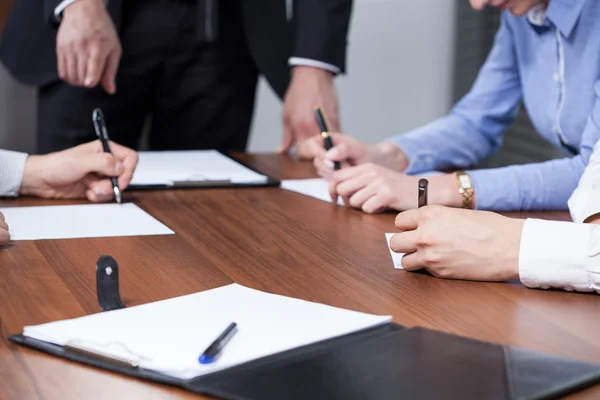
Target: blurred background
(409,61)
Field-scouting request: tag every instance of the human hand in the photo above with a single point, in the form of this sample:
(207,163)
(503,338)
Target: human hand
(4,234)
(458,243)
(349,151)
(374,188)
(87,46)
(79,172)
(309,88)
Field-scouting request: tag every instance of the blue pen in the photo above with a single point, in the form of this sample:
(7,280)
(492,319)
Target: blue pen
(211,353)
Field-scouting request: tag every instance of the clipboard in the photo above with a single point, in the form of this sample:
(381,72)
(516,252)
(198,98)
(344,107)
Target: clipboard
(384,362)
(198,180)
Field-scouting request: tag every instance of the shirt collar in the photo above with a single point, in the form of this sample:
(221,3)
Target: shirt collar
(564,14)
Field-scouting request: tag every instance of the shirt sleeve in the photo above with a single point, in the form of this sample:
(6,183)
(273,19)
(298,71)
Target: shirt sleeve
(585,200)
(561,255)
(12,165)
(473,129)
(538,186)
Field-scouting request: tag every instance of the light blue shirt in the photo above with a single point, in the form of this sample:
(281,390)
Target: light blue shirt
(550,62)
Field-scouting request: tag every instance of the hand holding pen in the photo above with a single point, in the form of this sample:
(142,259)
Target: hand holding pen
(102,133)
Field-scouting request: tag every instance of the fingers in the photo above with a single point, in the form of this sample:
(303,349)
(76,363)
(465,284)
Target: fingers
(405,242)
(361,196)
(375,204)
(104,164)
(4,237)
(408,220)
(100,191)
(71,69)
(1,217)
(95,65)
(110,71)
(311,148)
(129,160)
(338,153)
(3,224)
(412,262)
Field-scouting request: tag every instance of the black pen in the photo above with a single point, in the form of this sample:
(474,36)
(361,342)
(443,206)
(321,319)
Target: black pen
(102,132)
(211,353)
(423,183)
(324,126)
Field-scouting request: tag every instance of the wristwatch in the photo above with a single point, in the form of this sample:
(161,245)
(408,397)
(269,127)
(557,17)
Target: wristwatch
(465,188)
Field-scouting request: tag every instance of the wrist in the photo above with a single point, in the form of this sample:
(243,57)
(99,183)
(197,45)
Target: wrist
(389,155)
(514,234)
(443,190)
(32,176)
(84,6)
(301,71)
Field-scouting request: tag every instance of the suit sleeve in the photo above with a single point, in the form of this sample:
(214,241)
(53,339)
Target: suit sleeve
(49,7)
(320,30)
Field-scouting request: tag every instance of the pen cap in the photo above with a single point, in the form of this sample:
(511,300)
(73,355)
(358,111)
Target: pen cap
(100,124)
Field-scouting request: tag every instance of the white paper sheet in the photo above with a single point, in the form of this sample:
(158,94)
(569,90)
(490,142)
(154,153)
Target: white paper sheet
(169,336)
(81,221)
(165,167)
(317,188)
(396,257)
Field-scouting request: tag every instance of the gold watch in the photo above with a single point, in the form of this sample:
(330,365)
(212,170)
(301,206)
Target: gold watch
(465,188)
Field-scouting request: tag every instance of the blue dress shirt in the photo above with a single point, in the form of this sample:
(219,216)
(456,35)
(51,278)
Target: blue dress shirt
(549,61)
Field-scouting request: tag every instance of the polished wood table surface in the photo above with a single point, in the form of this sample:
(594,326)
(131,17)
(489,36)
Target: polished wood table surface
(272,240)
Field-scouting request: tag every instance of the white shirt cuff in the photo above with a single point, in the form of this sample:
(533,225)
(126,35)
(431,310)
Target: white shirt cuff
(12,165)
(560,255)
(64,4)
(584,203)
(307,62)
(61,7)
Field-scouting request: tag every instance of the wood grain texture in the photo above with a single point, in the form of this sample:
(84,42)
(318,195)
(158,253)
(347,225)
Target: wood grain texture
(272,240)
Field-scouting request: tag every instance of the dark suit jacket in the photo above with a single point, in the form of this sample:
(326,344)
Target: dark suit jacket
(318,31)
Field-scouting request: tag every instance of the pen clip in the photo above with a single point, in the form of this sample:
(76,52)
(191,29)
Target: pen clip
(100,124)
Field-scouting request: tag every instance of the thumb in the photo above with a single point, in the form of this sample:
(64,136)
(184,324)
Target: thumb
(288,140)
(101,163)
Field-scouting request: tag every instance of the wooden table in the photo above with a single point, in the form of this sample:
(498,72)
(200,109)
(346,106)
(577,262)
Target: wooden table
(272,240)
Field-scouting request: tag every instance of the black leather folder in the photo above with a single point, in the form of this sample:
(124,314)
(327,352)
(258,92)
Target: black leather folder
(386,362)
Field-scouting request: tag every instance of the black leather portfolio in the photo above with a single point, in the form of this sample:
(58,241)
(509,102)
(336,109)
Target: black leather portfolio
(386,362)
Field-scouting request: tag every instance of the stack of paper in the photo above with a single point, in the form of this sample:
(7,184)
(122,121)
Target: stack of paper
(169,336)
(81,221)
(166,167)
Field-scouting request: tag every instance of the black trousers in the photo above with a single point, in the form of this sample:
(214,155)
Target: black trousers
(199,95)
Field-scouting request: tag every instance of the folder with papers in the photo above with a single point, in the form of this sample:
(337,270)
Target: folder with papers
(197,168)
(295,349)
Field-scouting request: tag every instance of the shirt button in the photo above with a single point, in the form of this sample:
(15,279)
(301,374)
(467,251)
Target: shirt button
(544,287)
(568,288)
(12,194)
(556,77)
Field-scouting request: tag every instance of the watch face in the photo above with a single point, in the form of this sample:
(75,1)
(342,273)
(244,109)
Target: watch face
(464,181)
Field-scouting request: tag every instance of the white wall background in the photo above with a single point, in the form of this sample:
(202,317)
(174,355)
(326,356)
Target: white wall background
(399,77)
(401,55)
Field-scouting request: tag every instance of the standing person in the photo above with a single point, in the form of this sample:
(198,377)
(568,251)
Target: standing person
(190,64)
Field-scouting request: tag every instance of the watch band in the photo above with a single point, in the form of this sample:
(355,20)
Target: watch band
(465,188)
